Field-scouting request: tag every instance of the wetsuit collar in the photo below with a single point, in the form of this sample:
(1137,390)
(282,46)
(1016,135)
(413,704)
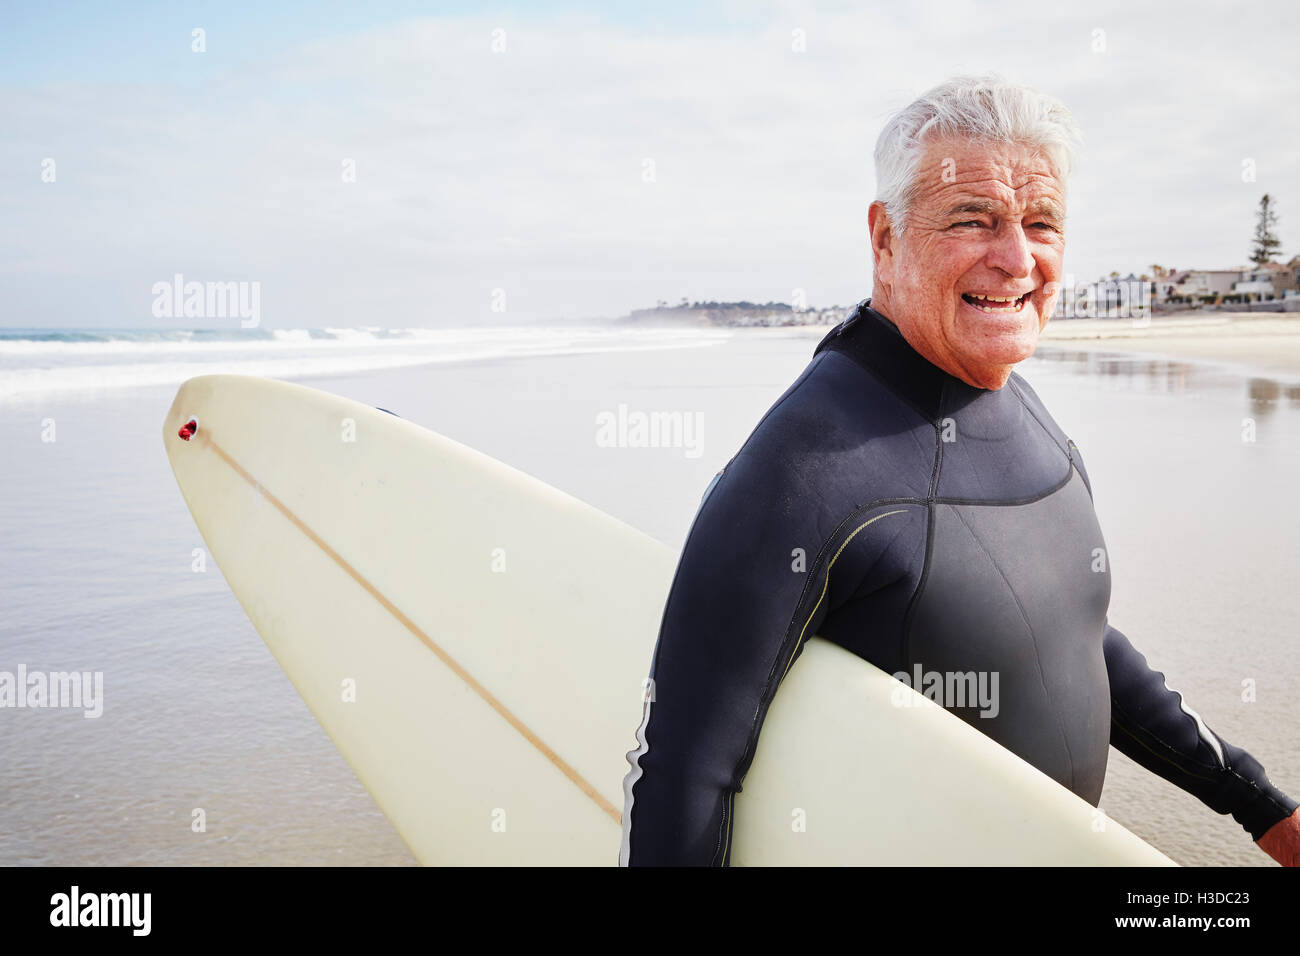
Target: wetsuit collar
(874,341)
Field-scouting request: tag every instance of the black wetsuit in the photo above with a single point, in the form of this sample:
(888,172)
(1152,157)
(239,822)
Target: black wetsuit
(943,525)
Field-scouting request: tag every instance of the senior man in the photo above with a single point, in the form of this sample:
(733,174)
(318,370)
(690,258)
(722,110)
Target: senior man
(950,517)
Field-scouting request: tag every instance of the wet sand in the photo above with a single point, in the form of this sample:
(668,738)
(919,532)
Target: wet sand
(1264,341)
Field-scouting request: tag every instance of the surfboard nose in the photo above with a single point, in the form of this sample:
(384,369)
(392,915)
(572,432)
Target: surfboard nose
(192,398)
(181,413)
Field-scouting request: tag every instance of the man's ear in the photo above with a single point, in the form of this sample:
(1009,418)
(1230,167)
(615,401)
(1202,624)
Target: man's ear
(883,239)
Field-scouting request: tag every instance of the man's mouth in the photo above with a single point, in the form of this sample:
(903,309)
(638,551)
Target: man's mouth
(996,303)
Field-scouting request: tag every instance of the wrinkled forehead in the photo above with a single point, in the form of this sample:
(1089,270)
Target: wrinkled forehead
(1013,174)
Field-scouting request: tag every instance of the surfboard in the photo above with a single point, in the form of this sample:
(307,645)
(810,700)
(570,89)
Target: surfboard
(476,643)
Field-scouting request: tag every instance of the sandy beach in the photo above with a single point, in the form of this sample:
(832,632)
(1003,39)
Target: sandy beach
(1264,341)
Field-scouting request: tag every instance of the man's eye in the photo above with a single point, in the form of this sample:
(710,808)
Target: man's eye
(968,222)
(1044,225)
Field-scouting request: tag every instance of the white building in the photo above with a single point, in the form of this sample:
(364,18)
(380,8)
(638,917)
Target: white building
(1256,282)
(1200,285)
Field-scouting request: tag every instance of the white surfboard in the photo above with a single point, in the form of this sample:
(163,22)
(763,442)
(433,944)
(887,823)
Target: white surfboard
(461,631)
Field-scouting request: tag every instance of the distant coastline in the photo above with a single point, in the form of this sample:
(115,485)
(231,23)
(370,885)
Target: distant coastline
(734,315)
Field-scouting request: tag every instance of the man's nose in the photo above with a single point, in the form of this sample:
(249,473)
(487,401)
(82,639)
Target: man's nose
(1010,251)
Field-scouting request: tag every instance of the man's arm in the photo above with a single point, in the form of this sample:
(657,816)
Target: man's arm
(734,615)
(1154,726)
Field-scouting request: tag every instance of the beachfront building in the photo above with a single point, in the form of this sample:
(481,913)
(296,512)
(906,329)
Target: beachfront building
(1286,279)
(1267,282)
(1165,286)
(1255,284)
(1205,285)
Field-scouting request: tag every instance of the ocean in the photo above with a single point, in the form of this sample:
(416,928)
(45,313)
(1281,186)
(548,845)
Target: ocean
(1193,468)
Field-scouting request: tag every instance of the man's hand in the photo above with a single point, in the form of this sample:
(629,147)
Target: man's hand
(1281,841)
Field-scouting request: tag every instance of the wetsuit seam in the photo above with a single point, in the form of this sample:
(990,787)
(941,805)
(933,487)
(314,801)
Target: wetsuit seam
(854,315)
(800,640)
(773,681)
(1181,765)
(1027,499)
(1077,465)
(905,639)
(1258,792)
(809,582)
(1011,502)
(728,807)
(1070,446)
(938,443)
(1214,777)
(858,595)
(1028,406)
(1033,639)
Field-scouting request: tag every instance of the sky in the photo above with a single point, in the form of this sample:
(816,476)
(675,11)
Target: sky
(579,160)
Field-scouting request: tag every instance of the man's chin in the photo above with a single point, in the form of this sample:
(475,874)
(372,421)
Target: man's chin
(1010,349)
(1005,339)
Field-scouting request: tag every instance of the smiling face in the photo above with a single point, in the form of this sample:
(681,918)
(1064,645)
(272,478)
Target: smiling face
(974,276)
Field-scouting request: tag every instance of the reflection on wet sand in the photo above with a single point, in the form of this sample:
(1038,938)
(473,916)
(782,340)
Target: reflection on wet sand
(1172,376)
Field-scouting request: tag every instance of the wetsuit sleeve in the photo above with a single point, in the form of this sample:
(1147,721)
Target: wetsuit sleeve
(730,627)
(1154,726)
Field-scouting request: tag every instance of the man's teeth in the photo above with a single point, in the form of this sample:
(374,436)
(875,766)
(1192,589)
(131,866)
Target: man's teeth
(985,303)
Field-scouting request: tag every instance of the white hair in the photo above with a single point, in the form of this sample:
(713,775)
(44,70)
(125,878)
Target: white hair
(984,107)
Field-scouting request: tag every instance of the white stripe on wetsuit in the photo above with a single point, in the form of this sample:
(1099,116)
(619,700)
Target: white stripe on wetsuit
(633,775)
